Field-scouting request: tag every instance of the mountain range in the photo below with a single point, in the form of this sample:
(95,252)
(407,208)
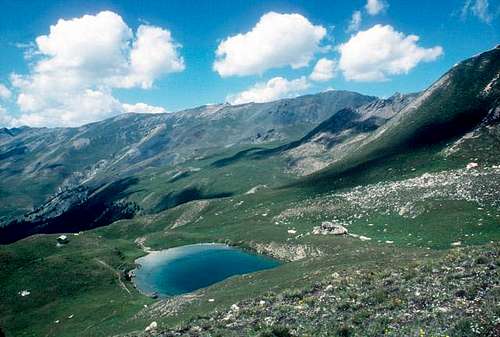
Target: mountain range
(418,169)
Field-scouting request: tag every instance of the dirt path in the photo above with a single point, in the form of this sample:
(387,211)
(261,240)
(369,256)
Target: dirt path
(114,271)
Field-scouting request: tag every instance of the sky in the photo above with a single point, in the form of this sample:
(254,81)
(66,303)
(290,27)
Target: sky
(67,63)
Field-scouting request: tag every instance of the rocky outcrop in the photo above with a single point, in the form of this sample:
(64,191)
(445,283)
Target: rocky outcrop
(328,227)
(286,252)
(344,130)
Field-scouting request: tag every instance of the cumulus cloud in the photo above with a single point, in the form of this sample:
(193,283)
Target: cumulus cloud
(275,88)
(379,52)
(154,54)
(5,93)
(81,60)
(69,109)
(277,40)
(478,8)
(143,108)
(355,22)
(374,7)
(324,70)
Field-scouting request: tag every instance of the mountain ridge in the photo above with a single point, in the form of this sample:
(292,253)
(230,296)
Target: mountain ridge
(96,154)
(141,141)
(476,106)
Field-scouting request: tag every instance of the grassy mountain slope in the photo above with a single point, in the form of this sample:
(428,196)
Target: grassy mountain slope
(408,202)
(451,107)
(38,163)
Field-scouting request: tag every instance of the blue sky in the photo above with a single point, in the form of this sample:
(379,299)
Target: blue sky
(448,32)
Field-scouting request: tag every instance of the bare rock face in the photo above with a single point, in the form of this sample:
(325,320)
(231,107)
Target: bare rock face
(344,130)
(286,252)
(328,227)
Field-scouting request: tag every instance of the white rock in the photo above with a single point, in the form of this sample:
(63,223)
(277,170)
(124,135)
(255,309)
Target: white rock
(62,239)
(228,317)
(211,300)
(329,287)
(24,293)
(456,244)
(339,230)
(292,231)
(235,307)
(388,241)
(328,227)
(364,238)
(471,165)
(262,303)
(151,326)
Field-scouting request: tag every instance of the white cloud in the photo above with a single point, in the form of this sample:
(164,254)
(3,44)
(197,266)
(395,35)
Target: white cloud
(5,93)
(478,8)
(277,40)
(275,88)
(69,109)
(377,53)
(324,70)
(355,22)
(374,7)
(154,53)
(91,45)
(143,108)
(81,60)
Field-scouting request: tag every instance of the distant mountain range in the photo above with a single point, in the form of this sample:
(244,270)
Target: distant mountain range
(48,173)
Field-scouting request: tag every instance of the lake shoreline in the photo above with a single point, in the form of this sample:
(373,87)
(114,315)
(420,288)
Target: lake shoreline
(186,269)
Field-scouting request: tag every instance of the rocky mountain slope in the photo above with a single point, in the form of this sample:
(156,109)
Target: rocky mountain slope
(463,99)
(59,173)
(98,189)
(341,132)
(35,163)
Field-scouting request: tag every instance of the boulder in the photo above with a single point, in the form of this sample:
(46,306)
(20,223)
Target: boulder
(62,239)
(24,293)
(471,165)
(151,326)
(328,227)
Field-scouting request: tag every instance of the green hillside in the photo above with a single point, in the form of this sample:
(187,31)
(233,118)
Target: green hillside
(418,194)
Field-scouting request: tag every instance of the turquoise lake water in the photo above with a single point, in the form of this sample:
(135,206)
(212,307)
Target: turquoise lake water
(184,269)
